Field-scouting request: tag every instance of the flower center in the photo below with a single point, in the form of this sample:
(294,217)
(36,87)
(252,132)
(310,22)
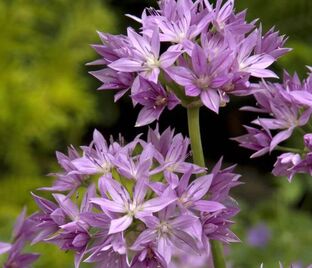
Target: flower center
(228,87)
(184,200)
(133,209)
(152,62)
(160,101)
(203,82)
(180,37)
(106,167)
(164,228)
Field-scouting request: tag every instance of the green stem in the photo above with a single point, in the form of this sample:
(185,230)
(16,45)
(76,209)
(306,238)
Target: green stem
(217,254)
(302,131)
(194,132)
(288,149)
(198,159)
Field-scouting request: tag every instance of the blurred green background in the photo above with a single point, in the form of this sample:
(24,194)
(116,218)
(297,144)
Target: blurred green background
(48,101)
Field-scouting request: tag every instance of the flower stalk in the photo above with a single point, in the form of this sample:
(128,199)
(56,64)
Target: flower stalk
(198,159)
(194,133)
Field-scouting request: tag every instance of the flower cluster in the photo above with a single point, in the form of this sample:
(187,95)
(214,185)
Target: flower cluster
(23,233)
(143,203)
(186,52)
(288,106)
(293,265)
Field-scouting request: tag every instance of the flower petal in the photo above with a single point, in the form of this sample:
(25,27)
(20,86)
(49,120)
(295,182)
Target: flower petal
(127,65)
(119,225)
(109,205)
(211,99)
(208,206)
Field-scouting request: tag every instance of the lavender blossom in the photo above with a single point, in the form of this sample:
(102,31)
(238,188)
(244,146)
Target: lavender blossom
(293,265)
(308,141)
(216,225)
(190,196)
(22,234)
(256,140)
(154,99)
(225,21)
(108,251)
(302,94)
(145,56)
(168,233)
(278,101)
(122,204)
(62,225)
(222,182)
(148,257)
(285,165)
(97,158)
(305,165)
(286,113)
(209,51)
(204,79)
(173,152)
(68,180)
(259,235)
(148,208)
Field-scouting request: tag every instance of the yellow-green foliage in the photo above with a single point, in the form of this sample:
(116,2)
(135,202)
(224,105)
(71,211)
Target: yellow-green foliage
(46,99)
(44,93)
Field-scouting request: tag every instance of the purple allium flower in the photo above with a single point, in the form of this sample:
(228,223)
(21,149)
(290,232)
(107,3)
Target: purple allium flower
(286,118)
(254,64)
(121,203)
(112,79)
(18,259)
(302,92)
(259,235)
(48,219)
(97,158)
(285,165)
(216,225)
(287,107)
(149,208)
(190,196)
(68,180)
(23,232)
(148,256)
(308,141)
(180,26)
(167,233)
(271,43)
(113,48)
(135,167)
(256,140)
(67,230)
(154,99)
(225,21)
(183,260)
(277,100)
(293,265)
(145,56)
(209,51)
(109,251)
(305,165)
(173,152)
(222,182)
(204,79)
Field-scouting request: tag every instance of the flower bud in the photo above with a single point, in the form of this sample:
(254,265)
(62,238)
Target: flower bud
(308,141)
